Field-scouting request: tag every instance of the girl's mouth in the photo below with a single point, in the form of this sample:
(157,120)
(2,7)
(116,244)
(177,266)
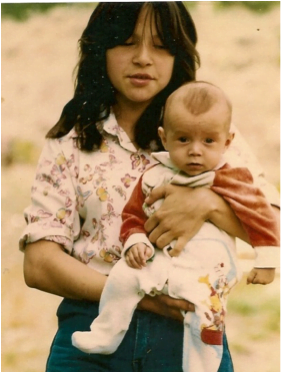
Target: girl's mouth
(140,80)
(141,76)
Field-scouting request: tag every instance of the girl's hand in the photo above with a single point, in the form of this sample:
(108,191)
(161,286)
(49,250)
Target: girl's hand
(183,213)
(180,217)
(137,255)
(166,306)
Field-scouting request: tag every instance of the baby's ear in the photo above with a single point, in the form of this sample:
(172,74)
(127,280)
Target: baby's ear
(229,139)
(232,135)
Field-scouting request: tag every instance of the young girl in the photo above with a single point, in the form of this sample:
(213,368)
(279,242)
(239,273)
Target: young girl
(133,55)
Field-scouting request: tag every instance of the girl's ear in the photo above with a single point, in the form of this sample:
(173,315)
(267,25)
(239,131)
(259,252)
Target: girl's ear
(162,136)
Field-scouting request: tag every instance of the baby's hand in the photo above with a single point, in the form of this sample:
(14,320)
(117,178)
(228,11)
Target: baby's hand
(262,276)
(137,255)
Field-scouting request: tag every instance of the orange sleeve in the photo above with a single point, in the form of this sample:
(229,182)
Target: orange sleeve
(133,216)
(249,204)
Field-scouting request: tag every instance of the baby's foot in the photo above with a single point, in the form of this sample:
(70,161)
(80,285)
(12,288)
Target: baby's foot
(90,343)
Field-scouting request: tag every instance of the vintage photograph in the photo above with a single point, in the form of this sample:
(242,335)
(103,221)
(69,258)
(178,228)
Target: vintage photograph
(140,154)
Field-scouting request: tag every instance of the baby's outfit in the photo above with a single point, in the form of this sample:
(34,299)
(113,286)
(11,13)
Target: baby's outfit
(203,274)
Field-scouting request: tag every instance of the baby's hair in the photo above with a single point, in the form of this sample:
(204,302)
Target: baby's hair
(110,25)
(199,97)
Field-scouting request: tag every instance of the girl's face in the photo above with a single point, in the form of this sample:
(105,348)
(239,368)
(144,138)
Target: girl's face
(141,67)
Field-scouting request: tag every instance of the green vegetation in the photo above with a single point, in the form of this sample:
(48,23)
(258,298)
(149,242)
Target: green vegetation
(19,151)
(259,303)
(21,11)
(256,6)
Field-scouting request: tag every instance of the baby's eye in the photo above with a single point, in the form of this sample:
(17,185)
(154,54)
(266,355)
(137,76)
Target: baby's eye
(183,139)
(209,140)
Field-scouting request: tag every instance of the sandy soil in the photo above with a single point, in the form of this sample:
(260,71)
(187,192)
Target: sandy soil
(240,53)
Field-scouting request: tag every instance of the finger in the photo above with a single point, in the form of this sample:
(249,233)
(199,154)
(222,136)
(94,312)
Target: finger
(141,259)
(155,236)
(132,262)
(179,304)
(175,314)
(156,194)
(151,223)
(128,261)
(163,236)
(261,280)
(179,246)
(148,252)
(137,254)
(251,277)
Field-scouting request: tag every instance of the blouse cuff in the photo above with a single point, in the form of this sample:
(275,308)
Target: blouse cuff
(32,234)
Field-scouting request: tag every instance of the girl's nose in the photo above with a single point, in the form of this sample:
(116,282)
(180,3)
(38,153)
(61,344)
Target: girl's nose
(142,55)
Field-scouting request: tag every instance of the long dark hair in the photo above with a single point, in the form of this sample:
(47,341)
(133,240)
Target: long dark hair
(111,24)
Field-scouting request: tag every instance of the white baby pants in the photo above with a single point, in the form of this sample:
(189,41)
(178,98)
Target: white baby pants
(203,274)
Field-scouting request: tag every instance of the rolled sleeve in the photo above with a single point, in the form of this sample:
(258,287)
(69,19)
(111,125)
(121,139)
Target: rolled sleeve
(52,214)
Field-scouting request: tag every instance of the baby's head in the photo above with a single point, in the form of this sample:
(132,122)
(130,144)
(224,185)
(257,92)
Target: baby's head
(196,127)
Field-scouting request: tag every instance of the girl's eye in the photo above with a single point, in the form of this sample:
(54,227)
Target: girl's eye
(160,46)
(183,139)
(127,43)
(209,141)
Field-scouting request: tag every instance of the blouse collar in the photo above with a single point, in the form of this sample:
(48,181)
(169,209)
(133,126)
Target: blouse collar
(111,126)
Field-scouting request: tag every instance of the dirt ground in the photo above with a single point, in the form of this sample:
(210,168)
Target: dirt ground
(240,52)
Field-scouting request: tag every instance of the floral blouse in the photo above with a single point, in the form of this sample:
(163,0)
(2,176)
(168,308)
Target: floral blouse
(78,197)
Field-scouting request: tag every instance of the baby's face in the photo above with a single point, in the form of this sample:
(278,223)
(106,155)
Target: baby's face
(195,143)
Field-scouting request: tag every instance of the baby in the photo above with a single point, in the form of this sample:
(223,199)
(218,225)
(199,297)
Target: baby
(195,135)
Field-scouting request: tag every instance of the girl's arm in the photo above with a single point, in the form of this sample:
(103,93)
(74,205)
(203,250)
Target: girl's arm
(183,213)
(48,268)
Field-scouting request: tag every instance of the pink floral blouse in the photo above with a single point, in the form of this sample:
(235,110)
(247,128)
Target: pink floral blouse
(77,197)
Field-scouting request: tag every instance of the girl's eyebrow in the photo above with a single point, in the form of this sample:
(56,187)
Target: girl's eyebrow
(155,36)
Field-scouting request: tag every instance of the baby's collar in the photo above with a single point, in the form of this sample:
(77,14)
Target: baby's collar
(164,158)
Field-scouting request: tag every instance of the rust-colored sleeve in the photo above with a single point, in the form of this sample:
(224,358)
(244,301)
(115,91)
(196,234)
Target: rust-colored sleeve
(236,186)
(133,216)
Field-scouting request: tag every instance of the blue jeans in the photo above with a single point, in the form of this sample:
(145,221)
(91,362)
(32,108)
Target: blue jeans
(152,344)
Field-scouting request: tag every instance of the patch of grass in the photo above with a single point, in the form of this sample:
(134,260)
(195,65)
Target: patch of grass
(279,185)
(243,308)
(19,151)
(240,349)
(22,11)
(259,7)
(10,358)
(190,4)
(272,310)
(248,304)
(258,309)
